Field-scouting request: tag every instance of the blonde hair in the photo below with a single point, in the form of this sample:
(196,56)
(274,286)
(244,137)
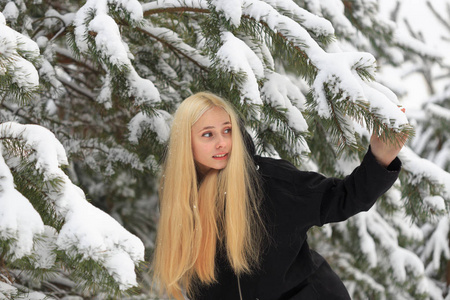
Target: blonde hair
(196,215)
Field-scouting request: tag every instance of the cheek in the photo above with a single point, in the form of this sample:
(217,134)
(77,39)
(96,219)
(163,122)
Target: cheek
(229,143)
(199,150)
(194,149)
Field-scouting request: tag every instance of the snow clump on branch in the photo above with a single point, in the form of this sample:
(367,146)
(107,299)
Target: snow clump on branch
(86,229)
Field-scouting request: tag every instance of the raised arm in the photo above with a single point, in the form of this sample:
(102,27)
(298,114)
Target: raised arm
(310,198)
(340,199)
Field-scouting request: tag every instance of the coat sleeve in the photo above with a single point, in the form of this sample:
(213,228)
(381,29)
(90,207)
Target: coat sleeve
(334,200)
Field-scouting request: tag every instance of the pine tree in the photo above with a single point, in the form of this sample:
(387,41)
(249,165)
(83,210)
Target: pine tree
(430,142)
(46,224)
(107,75)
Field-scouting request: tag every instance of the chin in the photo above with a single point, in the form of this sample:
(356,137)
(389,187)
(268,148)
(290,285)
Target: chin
(220,167)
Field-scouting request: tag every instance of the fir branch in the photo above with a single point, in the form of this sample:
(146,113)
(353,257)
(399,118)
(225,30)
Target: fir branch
(282,46)
(17,112)
(89,275)
(10,89)
(414,191)
(322,39)
(61,30)
(438,16)
(71,42)
(64,58)
(177,10)
(173,48)
(311,70)
(31,183)
(80,90)
(324,154)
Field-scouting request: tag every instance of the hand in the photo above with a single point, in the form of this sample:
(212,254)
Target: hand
(386,152)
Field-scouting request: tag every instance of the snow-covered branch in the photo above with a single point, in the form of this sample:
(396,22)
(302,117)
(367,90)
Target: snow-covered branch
(86,230)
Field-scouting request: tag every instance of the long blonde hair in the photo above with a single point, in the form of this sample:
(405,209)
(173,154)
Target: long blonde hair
(197,216)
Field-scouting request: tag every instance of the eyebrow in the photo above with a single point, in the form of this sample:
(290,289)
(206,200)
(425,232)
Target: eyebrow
(211,127)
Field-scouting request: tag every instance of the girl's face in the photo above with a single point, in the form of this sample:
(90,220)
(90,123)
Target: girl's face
(211,140)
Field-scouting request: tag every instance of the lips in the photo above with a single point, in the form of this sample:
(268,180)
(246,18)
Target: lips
(219,156)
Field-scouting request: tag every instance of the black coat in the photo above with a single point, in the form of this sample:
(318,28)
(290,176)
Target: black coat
(294,201)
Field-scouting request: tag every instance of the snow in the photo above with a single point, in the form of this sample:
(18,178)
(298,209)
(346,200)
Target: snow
(67,19)
(436,203)
(199,4)
(337,70)
(420,144)
(6,290)
(122,155)
(109,43)
(359,277)
(94,234)
(44,257)
(420,18)
(236,57)
(109,244)
(404,39)
(231,9)
(142,89)
(25,74)
(19,221)
(86,230)
(29,47)
(158,123)
(34,296)
(373,227)
(424,169)
(399,219)
(108,39)
(173,39)
(438,111)
(384,105)
(385,91)
(8,42)
(436,245)
(48,73)
(403,260)
(345,164)
(312,22)
(10,12)
(440,97)
(366,242)
(49,156)
(132,7)
(104,97)
(434,291)
(281,93)
(335,10)
(442,157)
(80,27)
(415,15)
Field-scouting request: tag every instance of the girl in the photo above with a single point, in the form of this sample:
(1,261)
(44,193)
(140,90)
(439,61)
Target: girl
(233,224)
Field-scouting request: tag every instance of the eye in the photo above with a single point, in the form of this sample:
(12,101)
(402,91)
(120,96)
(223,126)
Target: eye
(227,130)
(207,134)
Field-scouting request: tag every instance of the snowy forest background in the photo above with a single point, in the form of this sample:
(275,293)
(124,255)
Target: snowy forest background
(87,89)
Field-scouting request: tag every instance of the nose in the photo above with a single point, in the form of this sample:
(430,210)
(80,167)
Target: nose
(221,143)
